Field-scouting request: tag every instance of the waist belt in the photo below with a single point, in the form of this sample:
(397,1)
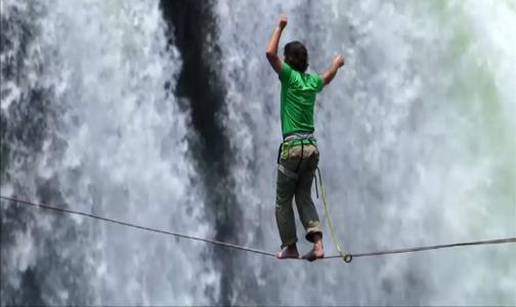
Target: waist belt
(300,136)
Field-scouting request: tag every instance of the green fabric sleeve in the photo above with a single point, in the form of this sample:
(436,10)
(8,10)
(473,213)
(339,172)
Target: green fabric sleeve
(319,82)
(285,72)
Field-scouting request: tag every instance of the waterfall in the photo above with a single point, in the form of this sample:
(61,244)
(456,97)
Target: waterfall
(91,125)
(417,139)
(167,115)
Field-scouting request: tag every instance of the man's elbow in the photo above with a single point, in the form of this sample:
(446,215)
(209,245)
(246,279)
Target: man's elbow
(270,55)
(326,79)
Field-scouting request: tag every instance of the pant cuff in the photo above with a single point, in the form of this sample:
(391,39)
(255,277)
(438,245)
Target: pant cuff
(289,243)
(311,231)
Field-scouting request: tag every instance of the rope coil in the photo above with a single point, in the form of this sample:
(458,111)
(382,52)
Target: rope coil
(511,240)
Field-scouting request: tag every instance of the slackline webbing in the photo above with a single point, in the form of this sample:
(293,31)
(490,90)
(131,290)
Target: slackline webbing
(247,249)
(166,232)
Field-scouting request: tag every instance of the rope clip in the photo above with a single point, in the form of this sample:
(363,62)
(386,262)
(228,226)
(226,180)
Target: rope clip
(347,258)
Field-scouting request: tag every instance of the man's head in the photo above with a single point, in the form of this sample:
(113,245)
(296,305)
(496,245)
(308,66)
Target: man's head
(296,56)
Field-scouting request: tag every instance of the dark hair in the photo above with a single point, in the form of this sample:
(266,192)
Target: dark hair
(296,56)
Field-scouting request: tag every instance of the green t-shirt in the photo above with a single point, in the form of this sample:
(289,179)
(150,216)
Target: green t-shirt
(298,92)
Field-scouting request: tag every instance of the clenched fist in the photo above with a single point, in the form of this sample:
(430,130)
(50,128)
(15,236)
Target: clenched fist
(338,61)
(283,22)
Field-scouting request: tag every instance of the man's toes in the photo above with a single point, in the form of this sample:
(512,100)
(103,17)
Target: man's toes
(285,254)
(280,254)
(314,255)
(310,256)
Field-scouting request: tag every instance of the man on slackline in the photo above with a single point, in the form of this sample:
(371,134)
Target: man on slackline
(298,154)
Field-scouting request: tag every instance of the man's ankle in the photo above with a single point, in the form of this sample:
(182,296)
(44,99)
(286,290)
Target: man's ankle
(317,237)
(289,246)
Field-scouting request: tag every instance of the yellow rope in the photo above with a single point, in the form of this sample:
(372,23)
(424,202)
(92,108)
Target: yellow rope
(345,256)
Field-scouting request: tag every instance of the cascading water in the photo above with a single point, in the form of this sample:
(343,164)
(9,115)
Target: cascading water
(88,123)
(417,137)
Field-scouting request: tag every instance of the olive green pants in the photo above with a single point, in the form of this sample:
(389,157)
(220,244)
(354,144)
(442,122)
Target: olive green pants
(288,187)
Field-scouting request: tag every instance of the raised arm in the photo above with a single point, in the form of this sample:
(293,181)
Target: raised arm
(329,74)
(272,48)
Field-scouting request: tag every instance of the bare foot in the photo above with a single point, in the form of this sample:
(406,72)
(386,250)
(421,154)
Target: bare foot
(288,252)
(317,252)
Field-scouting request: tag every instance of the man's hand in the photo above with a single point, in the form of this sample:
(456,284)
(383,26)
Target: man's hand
(338,61)
(282,22)
(272,47)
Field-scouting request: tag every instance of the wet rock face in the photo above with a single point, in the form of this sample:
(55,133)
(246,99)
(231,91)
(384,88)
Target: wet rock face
(193,31)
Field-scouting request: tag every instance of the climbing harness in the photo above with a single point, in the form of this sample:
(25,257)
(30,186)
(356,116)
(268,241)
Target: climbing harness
(290,141)
(11,200)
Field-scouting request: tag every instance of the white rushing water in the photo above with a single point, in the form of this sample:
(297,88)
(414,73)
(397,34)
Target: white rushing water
(418,144)
(417,136)
(117,148)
